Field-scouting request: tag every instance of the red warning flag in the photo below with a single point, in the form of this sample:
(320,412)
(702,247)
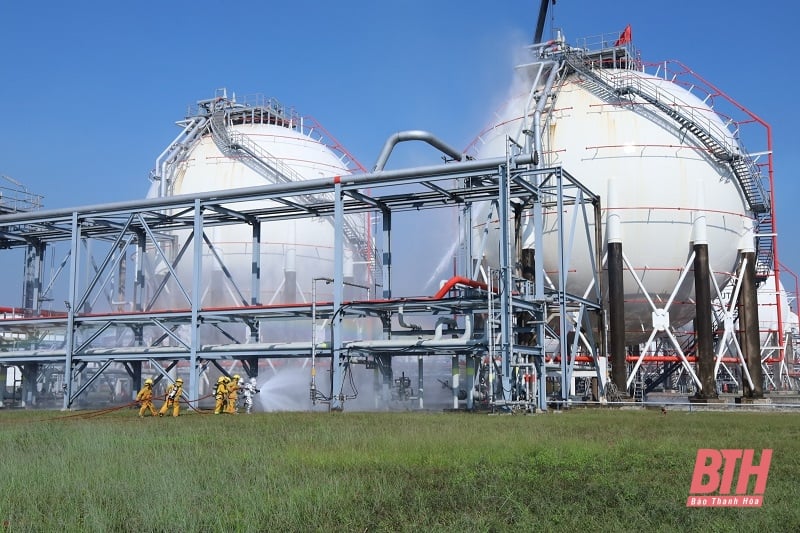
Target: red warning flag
(624,37)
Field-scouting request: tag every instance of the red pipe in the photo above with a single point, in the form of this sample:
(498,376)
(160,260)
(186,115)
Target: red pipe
(42,312)
(447,287)
(458,280)
(646,359)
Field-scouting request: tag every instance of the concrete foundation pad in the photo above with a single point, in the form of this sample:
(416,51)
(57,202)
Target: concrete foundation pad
(694,399)
(754,401)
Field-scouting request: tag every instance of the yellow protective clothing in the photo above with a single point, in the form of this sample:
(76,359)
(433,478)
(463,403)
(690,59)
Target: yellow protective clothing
(233,395)
(172,400)
(145,399)
(221,397)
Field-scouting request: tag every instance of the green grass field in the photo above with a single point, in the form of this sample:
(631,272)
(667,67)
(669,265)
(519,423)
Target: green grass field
(582,470)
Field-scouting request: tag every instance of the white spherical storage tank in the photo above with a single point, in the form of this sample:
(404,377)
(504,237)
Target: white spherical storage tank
(768,316)
(292,251)
(648,169)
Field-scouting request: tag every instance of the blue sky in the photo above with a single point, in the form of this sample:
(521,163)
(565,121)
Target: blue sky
(91,90)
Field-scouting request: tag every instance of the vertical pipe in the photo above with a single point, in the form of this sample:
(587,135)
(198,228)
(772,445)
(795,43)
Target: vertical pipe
(538,254)
(748,319)
(255,279)
(566,367)
(89,280)
(505,283)
(376,386)
(420,387)
(525,337)
(29,374)
(138,287)
(255,268)
(387,375)
(3,381)
(338,364)
(313,390)
(776,264)
(465,257)
(601,357)
(544,96)
(348,276)
(387,254)
(197,274)
(289,276)
(73,288)
(471,362)
(454,384)
(528,264)
(122,278)
(136,378)
(33,278)
(538,295)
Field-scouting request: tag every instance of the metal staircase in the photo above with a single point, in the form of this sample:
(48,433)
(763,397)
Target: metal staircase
(662,375)
(638,388)
(612,84)
(764,246)
(236,144)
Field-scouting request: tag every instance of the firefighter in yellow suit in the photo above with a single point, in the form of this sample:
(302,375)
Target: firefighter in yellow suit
(173,399)
(221,394)
(145,398)
(233,394)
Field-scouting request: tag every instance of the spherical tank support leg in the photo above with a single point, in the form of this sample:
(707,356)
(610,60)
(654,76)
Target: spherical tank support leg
(750,338)
(705,345)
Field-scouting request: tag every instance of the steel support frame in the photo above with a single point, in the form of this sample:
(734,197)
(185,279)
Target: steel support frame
(152,220)
(550,185)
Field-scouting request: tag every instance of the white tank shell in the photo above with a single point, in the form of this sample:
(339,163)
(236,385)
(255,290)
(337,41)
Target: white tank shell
(663,179)
(768,309)
(303,246)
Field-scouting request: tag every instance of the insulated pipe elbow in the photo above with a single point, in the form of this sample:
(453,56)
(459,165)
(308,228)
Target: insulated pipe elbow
(441,322)
(402,323)
(414,135)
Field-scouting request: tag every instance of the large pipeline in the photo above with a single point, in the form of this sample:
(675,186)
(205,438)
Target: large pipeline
(414,135)
(365,180)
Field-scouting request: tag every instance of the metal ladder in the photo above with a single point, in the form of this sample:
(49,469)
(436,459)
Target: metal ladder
(638,388)
(233,144)
(493,330)
(614,84)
